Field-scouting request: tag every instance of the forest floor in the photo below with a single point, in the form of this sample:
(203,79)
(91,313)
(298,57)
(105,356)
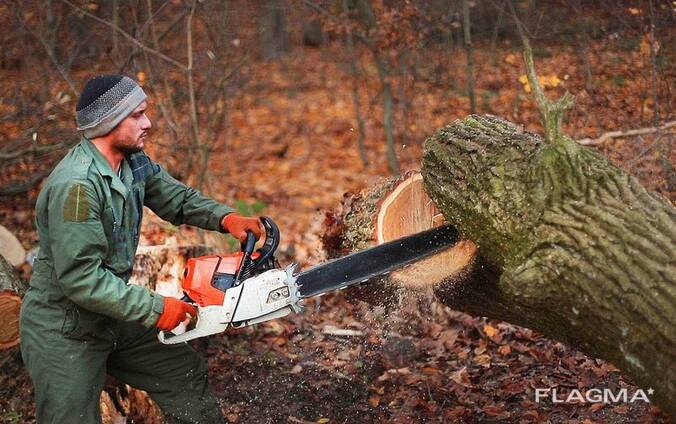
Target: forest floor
(291,147)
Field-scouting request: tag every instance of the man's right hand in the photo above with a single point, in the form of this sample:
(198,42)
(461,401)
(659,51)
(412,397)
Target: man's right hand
(174,313)
(238,225)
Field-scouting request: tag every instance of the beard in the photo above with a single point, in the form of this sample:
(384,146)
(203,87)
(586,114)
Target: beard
(128,150)
(128,147)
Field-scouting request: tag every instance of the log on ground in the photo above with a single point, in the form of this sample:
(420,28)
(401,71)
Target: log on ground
(566,243)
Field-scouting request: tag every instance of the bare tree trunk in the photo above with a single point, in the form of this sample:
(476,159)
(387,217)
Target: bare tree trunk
(354,68)
(386,90)
(274,33)
(368,21)
(496,32)
(470,59)
(653,66)
(403,99)
(116,22)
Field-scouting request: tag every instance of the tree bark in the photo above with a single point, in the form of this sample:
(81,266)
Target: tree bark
(572,246)
(567,244)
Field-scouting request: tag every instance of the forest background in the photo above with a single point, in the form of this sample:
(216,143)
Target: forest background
(280,107)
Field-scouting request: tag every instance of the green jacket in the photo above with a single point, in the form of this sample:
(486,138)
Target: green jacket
(88,221)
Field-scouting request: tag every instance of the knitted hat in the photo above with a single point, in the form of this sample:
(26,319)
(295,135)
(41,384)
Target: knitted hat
(104,102)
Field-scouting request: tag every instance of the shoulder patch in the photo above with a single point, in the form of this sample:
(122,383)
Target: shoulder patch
(76,206)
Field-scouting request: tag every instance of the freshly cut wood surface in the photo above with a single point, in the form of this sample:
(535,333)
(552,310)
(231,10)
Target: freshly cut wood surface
(10,305)
(393,209)
(10,247)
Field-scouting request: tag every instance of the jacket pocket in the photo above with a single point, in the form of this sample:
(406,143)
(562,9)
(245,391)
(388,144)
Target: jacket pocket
(116,237)
(81,324)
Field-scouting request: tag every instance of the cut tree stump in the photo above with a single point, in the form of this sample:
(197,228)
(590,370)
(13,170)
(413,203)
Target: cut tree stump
(566,244)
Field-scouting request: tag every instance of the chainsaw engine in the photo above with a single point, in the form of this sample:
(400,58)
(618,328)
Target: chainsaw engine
(206,278)
(238,289)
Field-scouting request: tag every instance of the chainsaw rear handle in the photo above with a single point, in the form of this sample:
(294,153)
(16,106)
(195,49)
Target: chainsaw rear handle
(271,241)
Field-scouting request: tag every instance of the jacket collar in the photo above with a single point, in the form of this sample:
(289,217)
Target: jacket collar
(122,183)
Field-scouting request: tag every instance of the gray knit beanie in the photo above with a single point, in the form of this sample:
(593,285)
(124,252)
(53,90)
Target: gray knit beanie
(104,102)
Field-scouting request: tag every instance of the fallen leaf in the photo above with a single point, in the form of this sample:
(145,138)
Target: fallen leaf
(483,360)
(595,407)
(622,409)
(461,377)
(490,331)
(512,59)
(504,350)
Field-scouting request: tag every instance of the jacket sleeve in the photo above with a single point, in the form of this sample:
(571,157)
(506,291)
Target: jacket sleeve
(178,203)
(79,247)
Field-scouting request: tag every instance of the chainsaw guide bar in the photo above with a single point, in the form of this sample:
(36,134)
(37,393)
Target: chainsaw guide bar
(379,260)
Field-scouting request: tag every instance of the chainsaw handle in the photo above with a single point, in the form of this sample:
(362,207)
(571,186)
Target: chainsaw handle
(247,249)
(249,244)
(271,240)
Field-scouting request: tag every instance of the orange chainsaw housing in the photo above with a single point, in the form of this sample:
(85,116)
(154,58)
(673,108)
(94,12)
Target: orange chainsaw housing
(206,278)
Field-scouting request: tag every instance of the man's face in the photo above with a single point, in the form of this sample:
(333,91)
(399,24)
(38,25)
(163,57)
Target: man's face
(130,134)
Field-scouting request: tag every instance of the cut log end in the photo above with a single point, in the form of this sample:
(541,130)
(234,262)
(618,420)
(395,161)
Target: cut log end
(407,209)
(441,268)
(391,210)
(10,305)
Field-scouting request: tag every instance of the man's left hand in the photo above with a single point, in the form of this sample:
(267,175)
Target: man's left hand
(238,225)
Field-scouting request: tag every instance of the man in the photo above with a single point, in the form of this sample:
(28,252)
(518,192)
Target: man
(80,320)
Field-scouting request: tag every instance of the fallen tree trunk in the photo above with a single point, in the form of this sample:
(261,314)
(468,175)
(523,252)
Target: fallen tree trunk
(568,244)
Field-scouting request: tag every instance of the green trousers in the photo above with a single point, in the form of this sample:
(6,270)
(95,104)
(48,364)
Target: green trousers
(69,374)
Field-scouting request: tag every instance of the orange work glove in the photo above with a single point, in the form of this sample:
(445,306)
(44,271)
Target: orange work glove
(238,225)
(174,313)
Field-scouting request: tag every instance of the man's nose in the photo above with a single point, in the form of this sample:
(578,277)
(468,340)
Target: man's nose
(145,123)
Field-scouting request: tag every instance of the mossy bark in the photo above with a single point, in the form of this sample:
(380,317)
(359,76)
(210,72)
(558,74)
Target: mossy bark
(569,244)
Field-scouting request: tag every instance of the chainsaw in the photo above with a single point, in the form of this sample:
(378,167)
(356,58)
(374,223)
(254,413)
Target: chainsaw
(249,287)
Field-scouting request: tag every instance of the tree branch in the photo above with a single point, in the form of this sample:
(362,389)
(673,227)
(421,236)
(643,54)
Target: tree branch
(552,111)
(49,50)
(361,37)
(628,133)
(126,35)
(22,187)
(33,149)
